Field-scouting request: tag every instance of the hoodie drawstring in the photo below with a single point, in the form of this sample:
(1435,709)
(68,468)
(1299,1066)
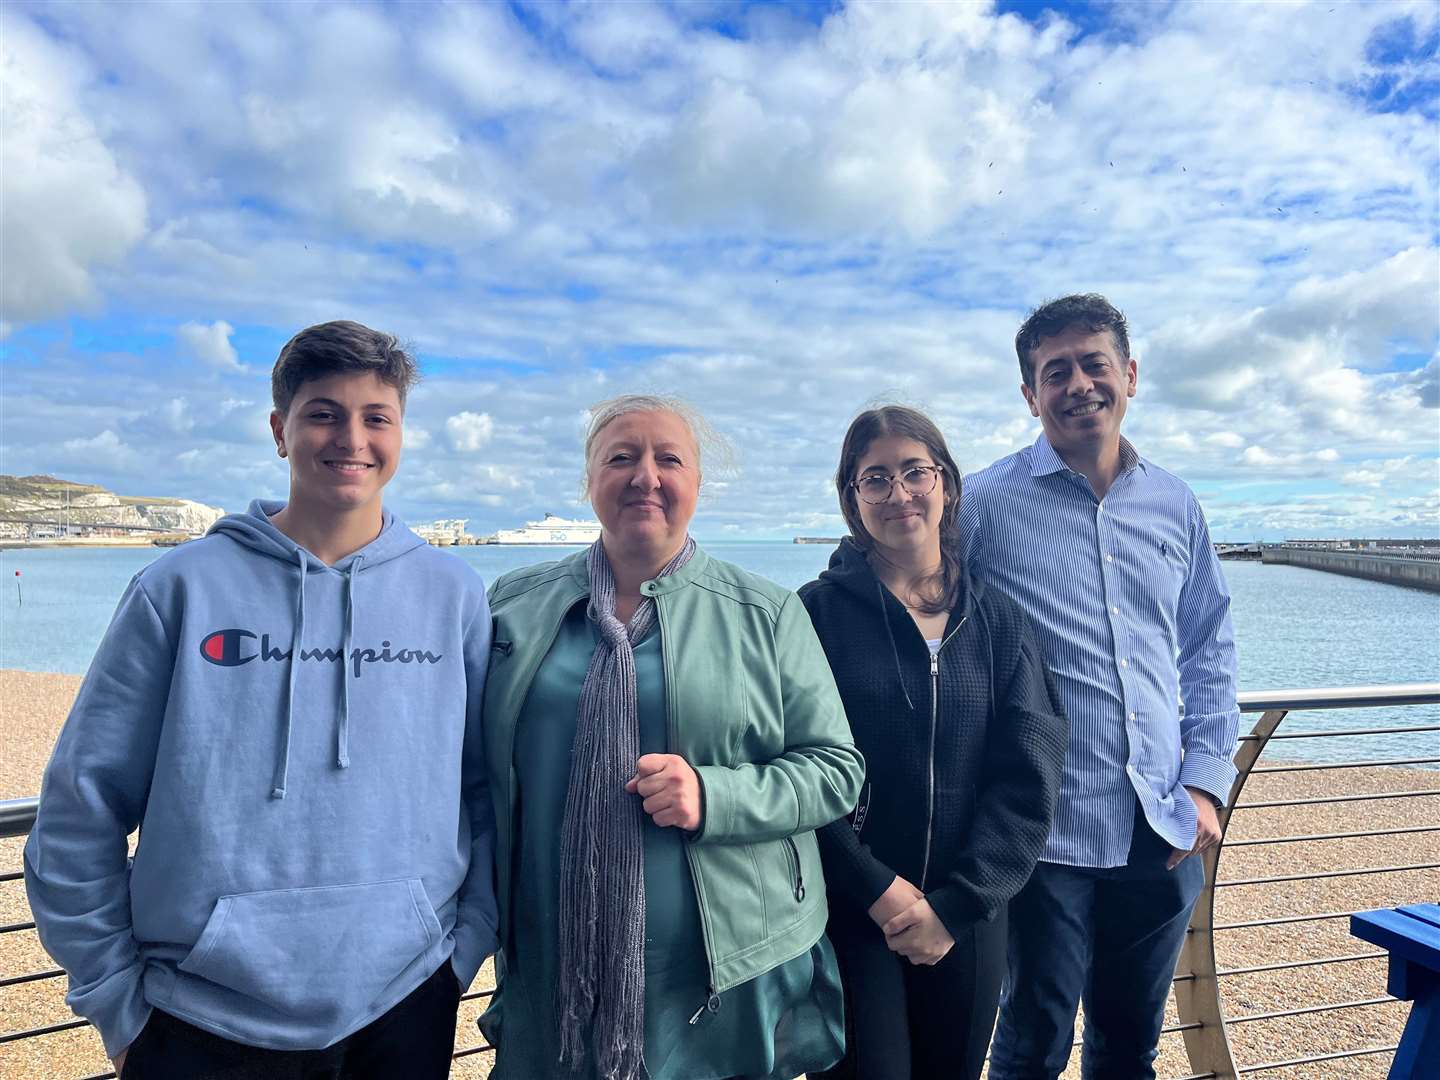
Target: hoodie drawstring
(342,734)
(885,618)
(282,753)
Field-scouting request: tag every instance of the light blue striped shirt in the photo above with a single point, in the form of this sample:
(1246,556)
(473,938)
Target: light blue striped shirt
(1133,618)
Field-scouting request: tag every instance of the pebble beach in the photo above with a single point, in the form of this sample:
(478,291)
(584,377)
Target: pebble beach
(34,706)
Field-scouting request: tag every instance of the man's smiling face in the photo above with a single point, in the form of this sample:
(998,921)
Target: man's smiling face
(1081,387)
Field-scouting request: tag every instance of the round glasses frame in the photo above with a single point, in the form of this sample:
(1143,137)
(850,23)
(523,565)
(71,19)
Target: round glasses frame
(917,485)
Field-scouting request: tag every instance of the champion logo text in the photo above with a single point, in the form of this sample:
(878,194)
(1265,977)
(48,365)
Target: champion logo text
(235,647)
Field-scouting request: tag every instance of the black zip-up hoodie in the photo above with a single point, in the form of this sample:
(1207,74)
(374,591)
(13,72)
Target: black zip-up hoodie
(960,785)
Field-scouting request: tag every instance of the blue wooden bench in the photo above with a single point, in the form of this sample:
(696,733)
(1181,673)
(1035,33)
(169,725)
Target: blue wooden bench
(1412,936)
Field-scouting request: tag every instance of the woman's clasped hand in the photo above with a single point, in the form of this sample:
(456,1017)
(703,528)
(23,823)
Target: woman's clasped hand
(670,790)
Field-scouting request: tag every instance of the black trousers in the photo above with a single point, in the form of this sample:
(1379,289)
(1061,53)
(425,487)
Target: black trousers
(415,1040)
(912,1022)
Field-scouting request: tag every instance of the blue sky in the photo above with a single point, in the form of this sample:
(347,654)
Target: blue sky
(784,211)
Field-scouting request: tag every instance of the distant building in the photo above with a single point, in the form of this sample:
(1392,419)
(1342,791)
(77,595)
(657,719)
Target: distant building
(445,532)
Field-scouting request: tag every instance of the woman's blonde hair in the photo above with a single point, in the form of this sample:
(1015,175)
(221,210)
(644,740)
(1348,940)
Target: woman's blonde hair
(709,444)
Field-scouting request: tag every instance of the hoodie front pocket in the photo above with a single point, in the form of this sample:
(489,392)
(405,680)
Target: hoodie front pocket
(320,954)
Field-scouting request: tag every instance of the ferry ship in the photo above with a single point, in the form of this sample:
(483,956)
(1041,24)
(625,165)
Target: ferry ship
(552,530)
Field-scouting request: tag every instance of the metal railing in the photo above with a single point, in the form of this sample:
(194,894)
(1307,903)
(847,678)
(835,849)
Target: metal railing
(1202,1021)
(1198,977)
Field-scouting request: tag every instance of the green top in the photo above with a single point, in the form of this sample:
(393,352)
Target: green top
(735,1040)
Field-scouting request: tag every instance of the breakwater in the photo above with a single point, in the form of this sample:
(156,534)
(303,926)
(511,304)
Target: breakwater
(1395,569)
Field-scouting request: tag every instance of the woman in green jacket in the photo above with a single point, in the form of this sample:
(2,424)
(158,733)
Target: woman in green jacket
(663,736)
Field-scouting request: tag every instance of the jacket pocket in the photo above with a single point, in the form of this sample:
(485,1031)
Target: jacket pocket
(319,954)
(788,880)
(797,872)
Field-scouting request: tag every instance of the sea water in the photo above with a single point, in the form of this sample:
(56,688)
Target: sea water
(1294,627)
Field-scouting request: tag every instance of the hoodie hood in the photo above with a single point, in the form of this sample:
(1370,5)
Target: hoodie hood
(850,570)
(253,530)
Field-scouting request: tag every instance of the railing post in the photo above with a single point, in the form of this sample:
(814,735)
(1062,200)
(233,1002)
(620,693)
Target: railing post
(1197,996)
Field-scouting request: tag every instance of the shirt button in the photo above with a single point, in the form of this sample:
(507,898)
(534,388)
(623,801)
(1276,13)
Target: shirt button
(1132,716)
(1109,558)
(1114,611)
(1124,663)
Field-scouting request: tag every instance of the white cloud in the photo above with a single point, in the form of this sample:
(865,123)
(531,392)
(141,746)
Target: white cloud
(783,221)
(210,345)
(1377,473)
(66,205)
(106,442)
(176,415)
(1260,457)
(469,431)
(1230,440)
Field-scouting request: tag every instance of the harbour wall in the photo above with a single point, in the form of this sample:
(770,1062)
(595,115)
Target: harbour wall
(1416,573)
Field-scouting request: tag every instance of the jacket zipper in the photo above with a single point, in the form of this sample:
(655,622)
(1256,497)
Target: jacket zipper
(712,998)
(798,876)
(712,1004)
(930,776)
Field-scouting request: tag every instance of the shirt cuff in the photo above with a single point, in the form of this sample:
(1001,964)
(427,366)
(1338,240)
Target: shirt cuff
(1210,773)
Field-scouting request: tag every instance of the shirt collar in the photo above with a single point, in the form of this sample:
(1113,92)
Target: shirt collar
(1044,460)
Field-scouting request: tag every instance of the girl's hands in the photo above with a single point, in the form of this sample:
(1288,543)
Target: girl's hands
(670,788)
(897,898)
(918,934)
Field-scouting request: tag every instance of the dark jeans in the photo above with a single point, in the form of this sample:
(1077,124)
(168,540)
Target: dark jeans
(415,1040)
(914,1022)
(1109,936)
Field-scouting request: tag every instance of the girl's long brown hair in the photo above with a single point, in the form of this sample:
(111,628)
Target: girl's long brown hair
(942,589)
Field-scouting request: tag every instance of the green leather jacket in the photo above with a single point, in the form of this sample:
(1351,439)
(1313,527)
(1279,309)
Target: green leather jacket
(751,706)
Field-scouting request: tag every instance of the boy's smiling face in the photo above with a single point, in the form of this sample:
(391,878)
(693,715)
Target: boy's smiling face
(342,436)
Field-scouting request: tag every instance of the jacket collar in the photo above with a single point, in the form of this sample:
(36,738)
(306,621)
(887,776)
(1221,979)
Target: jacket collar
(579,571)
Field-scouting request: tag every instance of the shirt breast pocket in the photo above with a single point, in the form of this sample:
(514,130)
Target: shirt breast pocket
(1173,566)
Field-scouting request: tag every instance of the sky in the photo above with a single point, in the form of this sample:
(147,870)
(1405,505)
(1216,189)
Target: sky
(782,211)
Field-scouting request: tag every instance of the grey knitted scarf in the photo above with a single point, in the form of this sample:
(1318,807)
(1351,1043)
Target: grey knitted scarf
(600,998)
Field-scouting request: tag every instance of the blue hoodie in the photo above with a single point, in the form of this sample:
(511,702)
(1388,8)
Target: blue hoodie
(300,747)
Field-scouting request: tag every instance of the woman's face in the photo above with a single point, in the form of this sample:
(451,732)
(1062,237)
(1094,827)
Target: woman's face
(644,478)
(904,524)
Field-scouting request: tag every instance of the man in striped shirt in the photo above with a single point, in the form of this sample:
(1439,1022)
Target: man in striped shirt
(1111,558)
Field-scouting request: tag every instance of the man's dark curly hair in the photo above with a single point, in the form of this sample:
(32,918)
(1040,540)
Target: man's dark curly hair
(1089,310)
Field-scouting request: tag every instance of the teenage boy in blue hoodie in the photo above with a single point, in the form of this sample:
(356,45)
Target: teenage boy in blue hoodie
(289,710)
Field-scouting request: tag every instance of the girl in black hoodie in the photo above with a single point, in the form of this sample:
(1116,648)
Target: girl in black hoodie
(964,738)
